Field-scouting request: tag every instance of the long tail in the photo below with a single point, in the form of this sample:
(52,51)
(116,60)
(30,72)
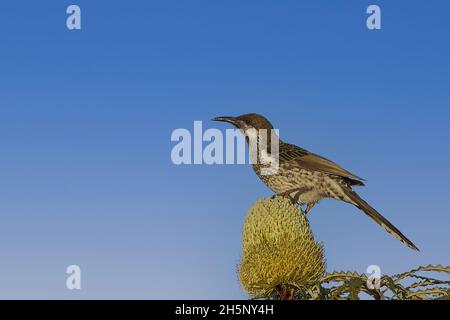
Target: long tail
(378,218)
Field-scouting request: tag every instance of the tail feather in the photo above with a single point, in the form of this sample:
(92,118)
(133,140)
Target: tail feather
(378,218)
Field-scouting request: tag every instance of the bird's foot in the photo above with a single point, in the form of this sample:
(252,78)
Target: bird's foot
(309,207)
(285,194)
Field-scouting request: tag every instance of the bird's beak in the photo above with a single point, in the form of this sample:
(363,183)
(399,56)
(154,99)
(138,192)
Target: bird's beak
(231,120)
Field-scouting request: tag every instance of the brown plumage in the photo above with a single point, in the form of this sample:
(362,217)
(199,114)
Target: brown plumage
(306,177)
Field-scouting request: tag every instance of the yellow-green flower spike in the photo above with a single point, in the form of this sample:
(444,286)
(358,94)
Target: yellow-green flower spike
(278,249)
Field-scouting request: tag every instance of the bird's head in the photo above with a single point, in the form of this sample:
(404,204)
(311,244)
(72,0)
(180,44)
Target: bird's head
(247,123)
(261,137)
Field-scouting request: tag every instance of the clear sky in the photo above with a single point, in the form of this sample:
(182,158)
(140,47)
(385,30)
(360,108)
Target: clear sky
(86,117)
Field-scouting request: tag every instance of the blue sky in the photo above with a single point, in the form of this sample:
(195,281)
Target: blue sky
(86,118)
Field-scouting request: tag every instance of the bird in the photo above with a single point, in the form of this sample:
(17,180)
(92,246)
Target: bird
(303,176)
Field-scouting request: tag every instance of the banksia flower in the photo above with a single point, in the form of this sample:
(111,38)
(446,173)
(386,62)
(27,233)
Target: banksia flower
(279,250)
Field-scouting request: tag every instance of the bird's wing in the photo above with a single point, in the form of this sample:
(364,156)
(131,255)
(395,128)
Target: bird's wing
(300,157)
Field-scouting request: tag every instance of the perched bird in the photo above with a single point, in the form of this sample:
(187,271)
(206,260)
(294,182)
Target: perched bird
(304,176)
